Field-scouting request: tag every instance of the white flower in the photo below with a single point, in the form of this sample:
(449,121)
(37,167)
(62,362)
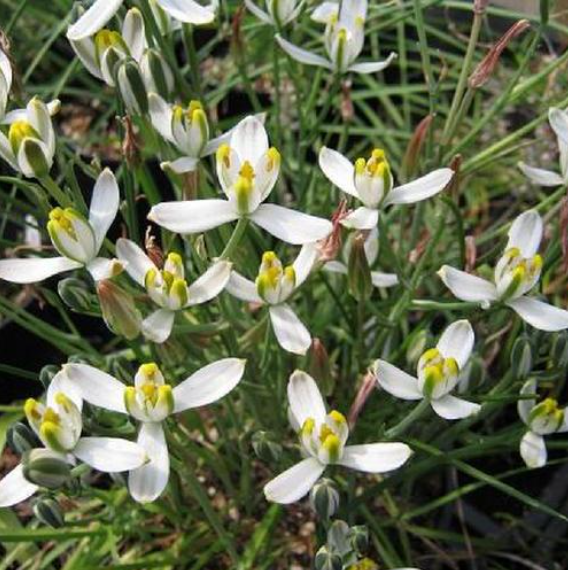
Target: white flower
(323,437)
(247,169)
(516,273)
(438,374)
(274,285)
(371,182)
(97,16)
(343,39)
(58,424)
(168,287)
(378,278)
(542,418)
(558,120)
(278,12)
(151,400)
(30,144)
(77,240)
(5,82)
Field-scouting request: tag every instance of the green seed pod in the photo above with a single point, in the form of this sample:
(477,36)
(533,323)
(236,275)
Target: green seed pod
(47,373)
(48,511)
(21,438)
(360,538)
(265,447)
(522,358)
(76,295)
(359,272)
(324,499)
(46,468)
(327,560)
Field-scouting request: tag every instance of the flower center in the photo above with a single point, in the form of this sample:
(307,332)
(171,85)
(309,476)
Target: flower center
(275,283)
(19,131)
(326,441)
(168,287)
(373,178)
(436,375)
(107,39)
(515,275)
(546,417)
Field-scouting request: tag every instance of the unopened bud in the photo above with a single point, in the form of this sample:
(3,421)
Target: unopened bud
(417,346)
(327,560)
(120,313)
(46,468)
(320,367)
(39,164)
(359,272)
(338,537)
(121,368)
(21,438)
(522,358)
(265,447)
(76,294)
(415,145)
(157,74)
(132,88)
(559,352)
(47,373)
(48,511)
(324,499)
(472,375)
(360,538)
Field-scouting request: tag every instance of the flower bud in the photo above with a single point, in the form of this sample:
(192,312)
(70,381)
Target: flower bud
(132,88)
(360,538)
(21,438)
(119,311)
(417,346)
(338,537)
(327,560)
(324,499)
(46,468)
(522,358)
(359,273)
(157,74)
(320,367)
(265,447)
(48,511)
(76,294)
(33,159)
(120,367)
(47,373)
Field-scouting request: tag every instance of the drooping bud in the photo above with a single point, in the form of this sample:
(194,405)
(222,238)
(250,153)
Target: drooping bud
(319,367)
(76,294)
(265,447)
(46,468)
(522,358)
(21,438)
(120,313)
(324,499)
(132,88)
(327,560)
(48,512)
(360,538)
(338,537)
(157,74)
(359,272)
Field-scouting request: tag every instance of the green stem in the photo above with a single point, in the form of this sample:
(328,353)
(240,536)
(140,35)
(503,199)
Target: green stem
(412,417)
(55,191)
(235,239)
(193,60)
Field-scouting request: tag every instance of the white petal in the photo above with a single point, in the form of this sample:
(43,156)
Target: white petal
(249,140)
(6,69)
(209,384)
(63,383)
(352,12)
(396,382)
(290,332)
(295,482)
(15,488)
(539,315)
(136,262)
(161,116)
(158,326)
(260,14)
(86,51)
(211,283)
(181,165)
(452,408)
(35,269)
(457,342)
(94,19)
(6,152)
(101,268)
(104,205)
(361,219)
(305,399)
(134,33)
(242,288)
(192,217)
(97,387)
(307,258)
(335,267)
(339,170)
(291,226)
(540,176)
(467,287)
(148,482)
(420,189)
(373,66)
(384,279)
(526,233)
(110,454)
(559,122)
(375,457)
(302,55)
(533,450)
(525,406)
(188,11)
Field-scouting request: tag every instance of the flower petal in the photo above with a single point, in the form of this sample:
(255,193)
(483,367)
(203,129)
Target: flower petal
(395,381)
(188,11)
(158,326)
(181,165)
(290,332)
(249,140)
(192,217)
(242,288)
(134,33)
(304,263)
(209,384)
(325,12)
(457,342)
(104,205)
(110,454)
(148,482)
(302,55)
(558,120)
(525,405)
(260,14)
(63,383)
(211,283)
(137,263)
(295,482)
(526,233)
(335,267)
(97,387)
(101,268)
(420,189)
(540,176)
(361,219)
(451,408)
(161,116)
(94,19)
(15,488)
(339,170)
(305,398)
(375,457)
(35,269)
(384,279)
(533,450)
(6,151)
(539,315)
(373,66)
(467,287)
(291,226)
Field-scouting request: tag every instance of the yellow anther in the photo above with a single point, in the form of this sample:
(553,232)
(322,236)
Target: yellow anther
(342,35)
(194,106)
(360,166)
(247,171)
(31,409)
(175,258)
(550,405)
(105,39)
(308,426)
(19,131)
(332,444)
(150,278)
(51,416)
(150,392)
(269,258)
(223,155)
(360,21)
(168,278)
(451,366)
(178,113)
(325,432)
(166,396)
(378,154)
(431,354)
(513,252)
(179,290)
(149,370)
(273,159)
(290,274)
(63,400)
(537,262)
(337,417)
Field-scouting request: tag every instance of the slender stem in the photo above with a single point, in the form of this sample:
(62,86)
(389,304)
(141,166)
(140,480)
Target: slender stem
(56,192)
(408,420)
(193,60)
(235,239)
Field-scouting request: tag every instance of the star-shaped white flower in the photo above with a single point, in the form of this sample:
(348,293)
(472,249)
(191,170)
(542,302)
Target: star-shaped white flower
(516,273)
(438,374)
(278,12)
(322,438)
